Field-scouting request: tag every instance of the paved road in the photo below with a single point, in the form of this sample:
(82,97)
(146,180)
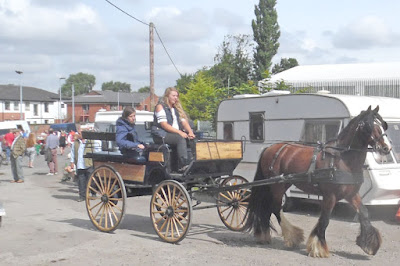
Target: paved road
(44,225)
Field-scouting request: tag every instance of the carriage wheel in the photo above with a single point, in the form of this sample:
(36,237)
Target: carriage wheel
(171,211)
(232,205)
(105,198)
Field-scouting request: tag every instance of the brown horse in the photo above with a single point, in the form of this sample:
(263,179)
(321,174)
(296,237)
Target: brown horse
(345,157)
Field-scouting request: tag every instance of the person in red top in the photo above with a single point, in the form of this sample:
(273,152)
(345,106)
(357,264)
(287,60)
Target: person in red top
(8,139)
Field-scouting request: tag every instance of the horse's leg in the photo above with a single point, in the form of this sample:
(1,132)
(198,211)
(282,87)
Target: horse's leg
(316,243)
(292,235)
(369,239)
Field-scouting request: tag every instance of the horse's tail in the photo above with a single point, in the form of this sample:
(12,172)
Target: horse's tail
(260,205)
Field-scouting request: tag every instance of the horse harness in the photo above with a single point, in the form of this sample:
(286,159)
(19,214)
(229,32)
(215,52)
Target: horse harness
(330,175)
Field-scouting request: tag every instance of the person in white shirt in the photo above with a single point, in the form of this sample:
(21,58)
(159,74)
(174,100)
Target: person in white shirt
(171,125)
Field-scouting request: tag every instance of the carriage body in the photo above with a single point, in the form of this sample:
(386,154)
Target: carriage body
(116,177)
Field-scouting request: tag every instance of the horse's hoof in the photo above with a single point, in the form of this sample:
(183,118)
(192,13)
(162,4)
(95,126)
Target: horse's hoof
(292,235)
(316,249)
(264,238)
(370,241)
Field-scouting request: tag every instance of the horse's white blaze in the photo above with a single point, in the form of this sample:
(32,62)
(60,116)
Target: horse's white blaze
(386,140)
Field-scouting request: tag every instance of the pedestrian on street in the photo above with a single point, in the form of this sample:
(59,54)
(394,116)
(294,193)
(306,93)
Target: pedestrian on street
(51,147)
(8,139)
(82,165)
(63,142)
(18,148)
(30,148)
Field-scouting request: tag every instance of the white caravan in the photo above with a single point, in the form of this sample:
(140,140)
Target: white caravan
(263,120)
(12,124)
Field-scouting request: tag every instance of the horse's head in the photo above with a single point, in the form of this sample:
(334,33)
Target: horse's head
(374,127)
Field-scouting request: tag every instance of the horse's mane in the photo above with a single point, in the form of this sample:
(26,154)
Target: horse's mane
(352,125)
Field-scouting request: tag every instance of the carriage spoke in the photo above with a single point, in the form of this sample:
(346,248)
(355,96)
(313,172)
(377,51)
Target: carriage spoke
(115,192)
(115,205)
(226,197)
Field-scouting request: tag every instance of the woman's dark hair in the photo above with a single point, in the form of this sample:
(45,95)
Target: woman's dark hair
(127,112)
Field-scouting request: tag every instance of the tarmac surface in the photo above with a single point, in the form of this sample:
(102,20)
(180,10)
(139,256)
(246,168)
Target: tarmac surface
(45,225)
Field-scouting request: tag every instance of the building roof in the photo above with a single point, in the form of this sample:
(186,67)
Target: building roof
(12,93)
(108,96)
(367,71)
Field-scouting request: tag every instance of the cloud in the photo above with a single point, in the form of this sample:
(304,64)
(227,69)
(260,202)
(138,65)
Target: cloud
(175,25)
(368,32)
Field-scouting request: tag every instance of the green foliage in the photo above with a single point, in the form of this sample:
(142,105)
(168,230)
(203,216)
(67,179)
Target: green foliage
(233,63)
(285,64)
(145,89)
(83,83)
(183,83)
(266,34)
(278,85)
(116,86)
(244,88)
(199,101)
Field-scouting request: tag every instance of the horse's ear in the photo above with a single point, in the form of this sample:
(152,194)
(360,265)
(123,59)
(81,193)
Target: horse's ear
(384,125)
(376,109)
(369,108)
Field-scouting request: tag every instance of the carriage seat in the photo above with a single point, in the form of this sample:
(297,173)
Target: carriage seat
(116,156)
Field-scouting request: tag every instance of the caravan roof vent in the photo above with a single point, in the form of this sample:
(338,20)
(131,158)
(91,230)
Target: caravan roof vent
(245,96)
(275,92)
(323,92)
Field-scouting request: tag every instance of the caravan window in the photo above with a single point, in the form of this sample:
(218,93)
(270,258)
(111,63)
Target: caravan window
(256,127)
(319,130)
(228,131)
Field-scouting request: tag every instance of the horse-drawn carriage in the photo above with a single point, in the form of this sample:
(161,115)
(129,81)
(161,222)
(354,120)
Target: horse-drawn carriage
(117,177)
(333,168)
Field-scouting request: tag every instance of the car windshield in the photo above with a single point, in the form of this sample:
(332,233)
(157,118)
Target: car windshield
(393,133)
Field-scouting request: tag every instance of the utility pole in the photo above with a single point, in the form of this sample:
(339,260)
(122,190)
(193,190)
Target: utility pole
(151,65)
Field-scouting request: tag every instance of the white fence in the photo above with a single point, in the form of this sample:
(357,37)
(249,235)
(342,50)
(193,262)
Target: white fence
(372,87)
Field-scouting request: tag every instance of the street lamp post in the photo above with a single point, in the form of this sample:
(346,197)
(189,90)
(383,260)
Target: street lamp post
(59,106)
(20,93)
(73,103)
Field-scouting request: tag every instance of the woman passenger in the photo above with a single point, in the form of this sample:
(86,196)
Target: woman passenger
(126,136)
(172,125)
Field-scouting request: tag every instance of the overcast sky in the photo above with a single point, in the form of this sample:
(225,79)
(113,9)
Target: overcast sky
(49,39)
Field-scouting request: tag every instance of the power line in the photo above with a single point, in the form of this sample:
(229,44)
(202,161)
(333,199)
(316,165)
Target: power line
(158,35)
(126,13)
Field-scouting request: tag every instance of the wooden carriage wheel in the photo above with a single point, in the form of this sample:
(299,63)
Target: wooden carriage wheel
(171,211)
(105,198)
(232,205)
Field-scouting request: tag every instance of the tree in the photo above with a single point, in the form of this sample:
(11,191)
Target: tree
(183,82)
(116,86)
(145,89)
(266,34)
(285,64)
(83,83)
(233,63)
(200,100)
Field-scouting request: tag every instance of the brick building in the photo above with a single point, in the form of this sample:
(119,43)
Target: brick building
(86,105)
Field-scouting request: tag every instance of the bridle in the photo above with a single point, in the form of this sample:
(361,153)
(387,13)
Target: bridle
(373,141)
